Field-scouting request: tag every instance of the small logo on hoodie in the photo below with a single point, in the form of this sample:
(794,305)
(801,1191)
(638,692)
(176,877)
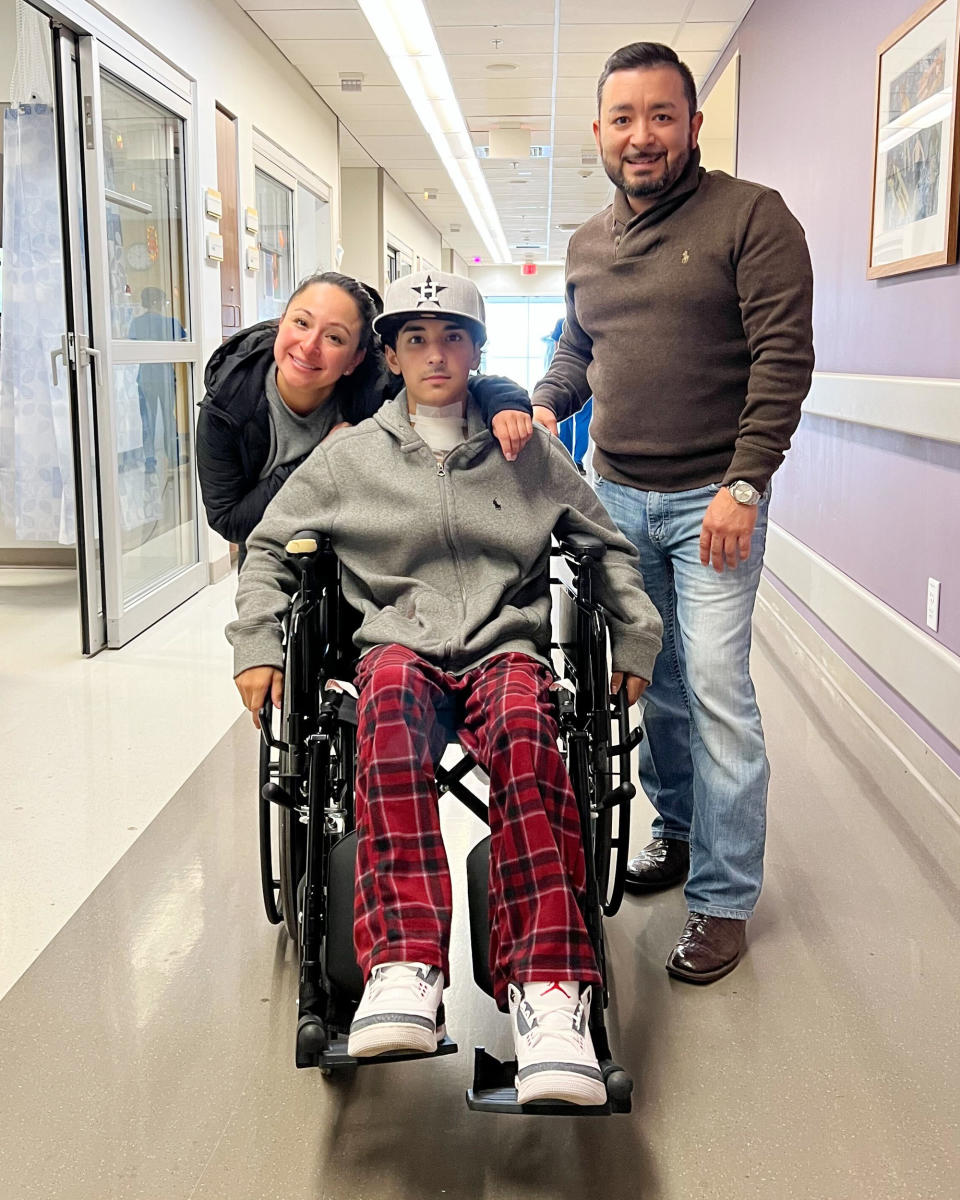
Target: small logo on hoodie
(496,504)
(685,257)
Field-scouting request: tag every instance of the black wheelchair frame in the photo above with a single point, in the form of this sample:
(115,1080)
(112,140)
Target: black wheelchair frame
(307,776)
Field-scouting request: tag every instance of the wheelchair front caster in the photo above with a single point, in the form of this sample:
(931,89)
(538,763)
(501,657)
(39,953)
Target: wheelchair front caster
(312,1041)
(619,1088)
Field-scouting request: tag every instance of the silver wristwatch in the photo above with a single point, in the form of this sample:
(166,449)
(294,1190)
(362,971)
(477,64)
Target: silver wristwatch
(744,493)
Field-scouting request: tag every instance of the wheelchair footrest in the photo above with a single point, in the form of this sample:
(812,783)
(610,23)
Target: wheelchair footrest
(494,1090)
(336,1058)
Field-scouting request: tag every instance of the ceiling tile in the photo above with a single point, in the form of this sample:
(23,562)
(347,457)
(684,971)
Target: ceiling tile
(622,12)
(708,36)
(480,39)
(254,7)
(604,39)
(444,13)
(719,10)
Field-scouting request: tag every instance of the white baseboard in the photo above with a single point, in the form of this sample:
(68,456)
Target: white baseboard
(916,666)
(219,568)
(775,613)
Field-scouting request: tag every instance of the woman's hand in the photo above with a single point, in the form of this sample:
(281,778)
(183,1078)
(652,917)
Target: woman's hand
(339,425)
(512,429)
(253,686)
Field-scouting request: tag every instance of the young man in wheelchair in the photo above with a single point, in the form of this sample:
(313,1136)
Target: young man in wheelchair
(444,548)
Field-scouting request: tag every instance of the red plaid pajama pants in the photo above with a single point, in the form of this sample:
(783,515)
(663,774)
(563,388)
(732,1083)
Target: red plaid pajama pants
(537,870)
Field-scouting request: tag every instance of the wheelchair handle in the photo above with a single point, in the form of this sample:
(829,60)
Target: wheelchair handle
(266,732)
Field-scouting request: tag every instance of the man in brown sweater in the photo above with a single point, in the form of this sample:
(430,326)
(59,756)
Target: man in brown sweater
(689,320)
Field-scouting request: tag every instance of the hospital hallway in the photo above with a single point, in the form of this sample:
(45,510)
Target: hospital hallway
(146,1039)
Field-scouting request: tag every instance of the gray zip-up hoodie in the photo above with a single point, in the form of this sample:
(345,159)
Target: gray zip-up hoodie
(449,559)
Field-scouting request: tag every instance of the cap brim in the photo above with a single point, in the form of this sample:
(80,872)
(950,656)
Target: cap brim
(389,323)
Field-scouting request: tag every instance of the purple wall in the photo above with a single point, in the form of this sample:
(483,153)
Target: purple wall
(882,507)
(807,82)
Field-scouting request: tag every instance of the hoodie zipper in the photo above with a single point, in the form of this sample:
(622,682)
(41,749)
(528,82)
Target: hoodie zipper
(448,532)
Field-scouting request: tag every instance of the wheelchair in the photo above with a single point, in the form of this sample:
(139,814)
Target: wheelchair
(306,808)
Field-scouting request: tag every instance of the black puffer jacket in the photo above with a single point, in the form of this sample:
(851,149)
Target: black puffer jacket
(233,426)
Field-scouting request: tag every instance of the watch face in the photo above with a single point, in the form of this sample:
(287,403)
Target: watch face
(744,493)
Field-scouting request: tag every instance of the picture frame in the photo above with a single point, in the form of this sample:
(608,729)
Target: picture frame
(916,147)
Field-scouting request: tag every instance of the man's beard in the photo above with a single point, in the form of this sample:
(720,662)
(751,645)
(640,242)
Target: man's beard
(653,187)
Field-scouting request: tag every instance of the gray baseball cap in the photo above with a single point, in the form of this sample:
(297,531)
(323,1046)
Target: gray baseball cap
(432,294)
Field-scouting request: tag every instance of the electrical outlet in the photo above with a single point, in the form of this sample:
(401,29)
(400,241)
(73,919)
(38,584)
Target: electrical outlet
(933,604)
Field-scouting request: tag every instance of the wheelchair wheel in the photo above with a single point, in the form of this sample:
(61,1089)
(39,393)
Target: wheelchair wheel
(292,844)
(268,882)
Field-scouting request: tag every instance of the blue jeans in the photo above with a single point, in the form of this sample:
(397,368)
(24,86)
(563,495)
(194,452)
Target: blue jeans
(702,762)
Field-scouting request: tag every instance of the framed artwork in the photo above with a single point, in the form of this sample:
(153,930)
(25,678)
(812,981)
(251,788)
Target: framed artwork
(913,222)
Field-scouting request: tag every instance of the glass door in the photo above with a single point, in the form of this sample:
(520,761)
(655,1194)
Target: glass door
(143,308)
(78,360)
(49,513)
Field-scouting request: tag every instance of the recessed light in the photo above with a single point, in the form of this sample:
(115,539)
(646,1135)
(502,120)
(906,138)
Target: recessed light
(501,66)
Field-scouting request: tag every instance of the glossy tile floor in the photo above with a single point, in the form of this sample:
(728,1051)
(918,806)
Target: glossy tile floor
(147,1051)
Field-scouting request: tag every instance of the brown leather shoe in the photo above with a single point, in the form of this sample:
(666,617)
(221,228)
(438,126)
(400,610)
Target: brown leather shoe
(665,862)
(708,949)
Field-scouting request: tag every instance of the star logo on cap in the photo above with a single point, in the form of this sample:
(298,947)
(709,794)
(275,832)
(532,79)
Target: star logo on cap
(429,292)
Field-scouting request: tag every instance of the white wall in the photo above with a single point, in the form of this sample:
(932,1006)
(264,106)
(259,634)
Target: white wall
(453,264)
(361,233)
(507,281)
(403,222)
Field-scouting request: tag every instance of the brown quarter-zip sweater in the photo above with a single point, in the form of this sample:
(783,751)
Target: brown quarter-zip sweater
(691,327)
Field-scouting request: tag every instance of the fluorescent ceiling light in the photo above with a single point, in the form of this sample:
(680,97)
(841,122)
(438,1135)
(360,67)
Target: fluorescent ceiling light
(404,31)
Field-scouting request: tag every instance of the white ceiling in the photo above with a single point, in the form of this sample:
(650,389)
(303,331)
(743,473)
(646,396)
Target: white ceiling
(323,38)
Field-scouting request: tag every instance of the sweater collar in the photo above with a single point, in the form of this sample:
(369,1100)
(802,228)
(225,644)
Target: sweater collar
(393,416)
(671,199)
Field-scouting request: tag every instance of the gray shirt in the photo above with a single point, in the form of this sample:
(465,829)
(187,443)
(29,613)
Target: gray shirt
(292,436)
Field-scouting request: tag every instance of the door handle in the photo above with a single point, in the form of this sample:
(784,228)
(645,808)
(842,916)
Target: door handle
(63,353)
(97,361)
(86,353)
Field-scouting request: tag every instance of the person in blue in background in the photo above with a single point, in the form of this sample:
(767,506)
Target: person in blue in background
(574,432)
(156,382)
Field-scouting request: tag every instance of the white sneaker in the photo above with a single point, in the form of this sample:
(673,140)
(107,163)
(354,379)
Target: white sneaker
(555,1055)
(400,1009)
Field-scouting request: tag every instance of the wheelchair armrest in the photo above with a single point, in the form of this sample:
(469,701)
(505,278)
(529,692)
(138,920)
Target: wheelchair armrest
(304,546)
(583,545)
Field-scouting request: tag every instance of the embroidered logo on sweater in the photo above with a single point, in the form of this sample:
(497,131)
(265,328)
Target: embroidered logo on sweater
(496,504)
(685,256)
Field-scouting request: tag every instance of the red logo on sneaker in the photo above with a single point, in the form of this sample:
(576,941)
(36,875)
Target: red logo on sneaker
(555,987)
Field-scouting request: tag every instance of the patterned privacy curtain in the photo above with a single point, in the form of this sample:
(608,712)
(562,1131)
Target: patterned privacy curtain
(36,463)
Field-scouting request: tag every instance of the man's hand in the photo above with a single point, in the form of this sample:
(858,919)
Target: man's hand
(512,429)
(726,531)
(546,418)
(254,684)
(634,684)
